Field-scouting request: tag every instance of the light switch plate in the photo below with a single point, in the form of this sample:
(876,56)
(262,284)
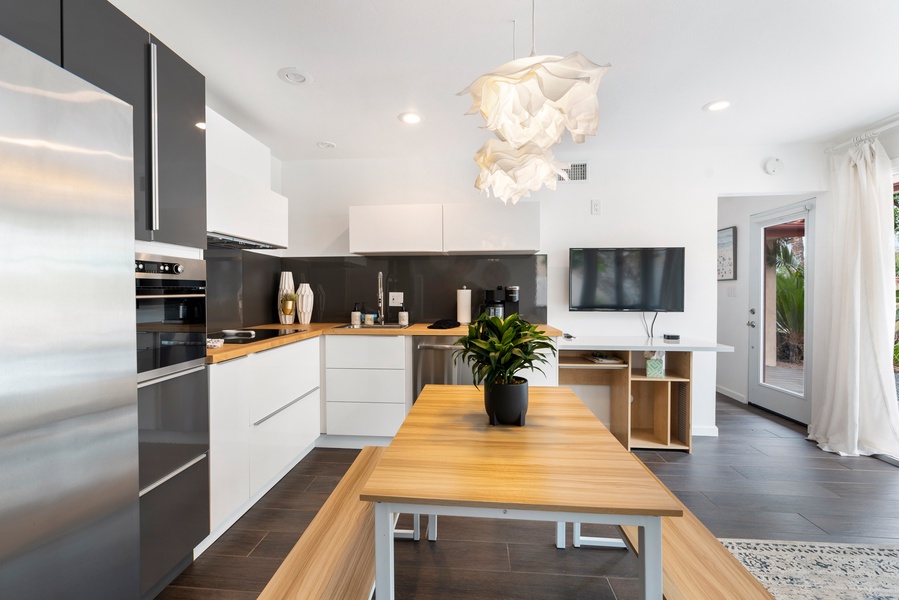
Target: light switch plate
(395,299)
(595,207)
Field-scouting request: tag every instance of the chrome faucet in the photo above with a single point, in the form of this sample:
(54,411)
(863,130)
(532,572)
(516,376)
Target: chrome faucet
(381,318)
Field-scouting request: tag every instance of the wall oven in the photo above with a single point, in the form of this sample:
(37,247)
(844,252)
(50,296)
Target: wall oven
(173,414)
(171,314)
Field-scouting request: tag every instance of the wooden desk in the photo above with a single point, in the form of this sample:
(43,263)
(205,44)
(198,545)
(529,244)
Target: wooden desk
(564,465)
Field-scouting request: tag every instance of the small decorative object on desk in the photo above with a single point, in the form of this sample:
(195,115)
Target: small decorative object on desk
(497,349)
(655,363)
(603,358)
(304,308)
(214,342)
(286,287)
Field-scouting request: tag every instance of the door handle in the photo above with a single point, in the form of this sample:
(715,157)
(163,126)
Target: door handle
(750,323)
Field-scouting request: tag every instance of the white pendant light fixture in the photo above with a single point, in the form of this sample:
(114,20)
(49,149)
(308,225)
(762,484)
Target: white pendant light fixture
(515,172)
(534,100)
(529,103)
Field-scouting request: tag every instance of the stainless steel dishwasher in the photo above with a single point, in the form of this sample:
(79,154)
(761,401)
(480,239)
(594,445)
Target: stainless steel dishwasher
(433,363)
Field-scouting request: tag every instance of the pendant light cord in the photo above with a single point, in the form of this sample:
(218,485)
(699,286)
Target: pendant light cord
(533,27)
(513,39)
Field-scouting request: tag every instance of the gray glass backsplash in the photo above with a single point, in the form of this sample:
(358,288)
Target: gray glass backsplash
(248,285)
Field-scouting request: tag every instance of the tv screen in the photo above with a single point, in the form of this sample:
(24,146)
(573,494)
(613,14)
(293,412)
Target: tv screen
(626,279)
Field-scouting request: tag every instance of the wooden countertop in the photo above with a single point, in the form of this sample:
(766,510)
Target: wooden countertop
(564,459)
(305,332)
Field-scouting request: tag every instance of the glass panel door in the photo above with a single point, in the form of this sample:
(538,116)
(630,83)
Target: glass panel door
(780,310)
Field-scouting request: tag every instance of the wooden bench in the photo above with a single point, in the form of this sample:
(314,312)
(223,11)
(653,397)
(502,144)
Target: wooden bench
(695,565)
(335,557)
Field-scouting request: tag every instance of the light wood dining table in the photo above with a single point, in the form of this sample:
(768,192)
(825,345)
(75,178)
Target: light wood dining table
(563,466)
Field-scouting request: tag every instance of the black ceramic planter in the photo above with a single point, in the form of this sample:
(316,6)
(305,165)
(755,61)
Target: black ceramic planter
(507,404)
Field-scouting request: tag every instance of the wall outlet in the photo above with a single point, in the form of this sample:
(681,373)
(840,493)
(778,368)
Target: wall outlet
(595,207)
(395,299)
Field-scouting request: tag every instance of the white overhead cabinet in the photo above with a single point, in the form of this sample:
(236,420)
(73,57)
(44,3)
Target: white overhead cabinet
(396,229)
(469,228)
(491,228)
(240,201)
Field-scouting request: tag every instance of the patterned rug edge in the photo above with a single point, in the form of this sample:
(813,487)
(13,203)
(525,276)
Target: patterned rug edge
(820,570)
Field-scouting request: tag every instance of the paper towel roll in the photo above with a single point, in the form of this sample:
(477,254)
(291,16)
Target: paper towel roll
(463,305)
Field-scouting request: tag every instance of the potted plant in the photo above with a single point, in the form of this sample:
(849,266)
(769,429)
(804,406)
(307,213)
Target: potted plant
(287,303)
(496,349)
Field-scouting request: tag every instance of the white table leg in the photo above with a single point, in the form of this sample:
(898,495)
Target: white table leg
(579,540)
(560,535)
(383,552)
(432,528)
(650,558)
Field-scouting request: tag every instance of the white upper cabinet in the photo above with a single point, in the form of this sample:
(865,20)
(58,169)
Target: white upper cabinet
(470,228)
(240,202)
(491,228)
(396,229)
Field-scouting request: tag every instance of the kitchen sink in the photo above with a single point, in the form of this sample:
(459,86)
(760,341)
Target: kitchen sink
(374,326)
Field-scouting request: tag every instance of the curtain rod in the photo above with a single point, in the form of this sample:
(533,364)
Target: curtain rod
(868,135)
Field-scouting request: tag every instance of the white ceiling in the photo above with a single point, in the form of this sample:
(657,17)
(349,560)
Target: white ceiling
(796,71)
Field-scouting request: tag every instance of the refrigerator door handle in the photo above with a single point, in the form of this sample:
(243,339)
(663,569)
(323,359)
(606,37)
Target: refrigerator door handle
(154,142)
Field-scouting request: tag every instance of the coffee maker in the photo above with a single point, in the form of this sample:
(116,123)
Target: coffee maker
(501,302)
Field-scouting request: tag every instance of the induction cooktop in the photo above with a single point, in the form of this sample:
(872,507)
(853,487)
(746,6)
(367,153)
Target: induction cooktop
(247,336)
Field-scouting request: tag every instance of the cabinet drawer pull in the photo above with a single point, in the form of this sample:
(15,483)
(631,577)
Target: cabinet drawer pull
(285,407)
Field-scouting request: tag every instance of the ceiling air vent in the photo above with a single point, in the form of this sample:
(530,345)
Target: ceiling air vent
(576,172)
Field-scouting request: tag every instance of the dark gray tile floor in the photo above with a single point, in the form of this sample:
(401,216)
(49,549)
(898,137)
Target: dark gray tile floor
(759,479)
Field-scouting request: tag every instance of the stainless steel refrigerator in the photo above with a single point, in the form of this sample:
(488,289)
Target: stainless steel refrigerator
(68,403)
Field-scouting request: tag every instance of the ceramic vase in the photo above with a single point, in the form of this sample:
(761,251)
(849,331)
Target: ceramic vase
(285,286)
(507,404)
(304,304)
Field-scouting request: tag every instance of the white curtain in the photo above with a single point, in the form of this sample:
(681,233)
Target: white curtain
(857,412)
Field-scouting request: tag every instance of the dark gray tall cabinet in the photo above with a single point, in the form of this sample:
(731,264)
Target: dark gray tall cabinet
(33,24)
(181,97)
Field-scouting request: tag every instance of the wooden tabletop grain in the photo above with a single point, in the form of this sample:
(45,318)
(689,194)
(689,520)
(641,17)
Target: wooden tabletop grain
(563,460)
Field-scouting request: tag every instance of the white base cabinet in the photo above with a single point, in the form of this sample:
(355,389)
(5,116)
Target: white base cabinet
(279,439)
(368,384)
(264,410)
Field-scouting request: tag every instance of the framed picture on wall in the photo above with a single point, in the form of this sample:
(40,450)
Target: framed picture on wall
(727,254)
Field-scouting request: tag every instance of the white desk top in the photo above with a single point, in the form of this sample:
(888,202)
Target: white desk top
(640,343)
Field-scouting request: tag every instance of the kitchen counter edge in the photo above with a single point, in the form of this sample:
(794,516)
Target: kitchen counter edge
(305,332)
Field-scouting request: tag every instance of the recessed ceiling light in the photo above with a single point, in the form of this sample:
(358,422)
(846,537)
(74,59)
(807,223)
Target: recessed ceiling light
(716,105)
(327,145)
(410,117)
(294,75)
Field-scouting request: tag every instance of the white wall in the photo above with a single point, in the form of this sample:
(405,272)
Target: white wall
(663,197)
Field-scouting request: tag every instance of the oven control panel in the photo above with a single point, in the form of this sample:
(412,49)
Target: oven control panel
(156,266)
(145,266)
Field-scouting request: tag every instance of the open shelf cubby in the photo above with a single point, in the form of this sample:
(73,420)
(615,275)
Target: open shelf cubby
(646,413)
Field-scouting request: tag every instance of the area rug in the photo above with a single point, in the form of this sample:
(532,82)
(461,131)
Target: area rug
(816,571)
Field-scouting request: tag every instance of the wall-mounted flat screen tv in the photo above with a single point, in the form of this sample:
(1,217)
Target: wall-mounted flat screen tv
(626,279)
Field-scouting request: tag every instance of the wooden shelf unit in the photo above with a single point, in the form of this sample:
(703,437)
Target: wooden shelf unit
(647,413)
